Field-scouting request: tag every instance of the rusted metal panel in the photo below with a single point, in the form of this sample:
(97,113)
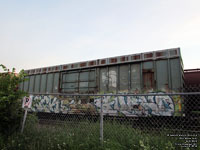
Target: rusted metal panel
(92,63)
(161,54)
(113,60)
(148,80)
(192,77)
(103,61)
(148,55)
(148,75)
(123,58)
(136,57)
(84,64)
(162,75)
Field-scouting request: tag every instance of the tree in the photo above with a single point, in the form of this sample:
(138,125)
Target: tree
(10,100)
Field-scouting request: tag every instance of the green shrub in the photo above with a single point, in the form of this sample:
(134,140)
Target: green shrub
(10,100)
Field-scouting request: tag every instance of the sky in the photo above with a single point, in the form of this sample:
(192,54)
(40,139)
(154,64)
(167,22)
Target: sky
(35,33)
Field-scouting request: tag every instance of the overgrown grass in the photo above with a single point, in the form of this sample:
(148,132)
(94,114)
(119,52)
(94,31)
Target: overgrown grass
(84,135)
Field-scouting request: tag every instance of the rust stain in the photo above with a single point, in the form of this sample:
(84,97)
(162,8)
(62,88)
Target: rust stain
(113,60)
(83,64)
(149,55)
(148,79)
(135,57)
(103,61)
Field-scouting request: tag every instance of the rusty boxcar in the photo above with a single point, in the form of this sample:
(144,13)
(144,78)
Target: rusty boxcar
(155,71)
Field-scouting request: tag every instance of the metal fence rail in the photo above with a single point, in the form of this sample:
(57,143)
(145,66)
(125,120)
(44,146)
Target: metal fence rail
(120,94)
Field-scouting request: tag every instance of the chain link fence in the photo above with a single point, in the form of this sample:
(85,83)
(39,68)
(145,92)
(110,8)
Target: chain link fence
(125,118)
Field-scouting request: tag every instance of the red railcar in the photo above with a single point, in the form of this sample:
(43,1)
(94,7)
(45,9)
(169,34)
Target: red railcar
(192,77)
(192,84)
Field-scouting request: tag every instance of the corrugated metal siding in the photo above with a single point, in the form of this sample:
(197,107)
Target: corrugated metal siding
(142,76)
(162,74)
(70,87)
(84,81)
(70,77)
(49,83)
(84,76)
(148,75)
(175,74)
(56,82)
(37,84)
(103,79)
(79,81)
(133,58)
(92,81)
(43,83)
(31,84)
(26,83)
(113,79)
(70,82)
(83,86)
(124,71)
(135,77)
(148,80)
(148,65)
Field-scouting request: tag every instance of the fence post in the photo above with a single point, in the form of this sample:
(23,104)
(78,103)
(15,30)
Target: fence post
(25,114)
(101,121)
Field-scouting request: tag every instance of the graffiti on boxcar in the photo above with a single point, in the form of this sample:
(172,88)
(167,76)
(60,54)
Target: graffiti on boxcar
(48,104)
(54,104)
(137,105)
(122,105)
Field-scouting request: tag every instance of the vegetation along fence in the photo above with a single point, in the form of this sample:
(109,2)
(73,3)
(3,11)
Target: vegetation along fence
(152,120)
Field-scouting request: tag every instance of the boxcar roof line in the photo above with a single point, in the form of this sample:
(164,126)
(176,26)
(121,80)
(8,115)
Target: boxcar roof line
(153,55)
